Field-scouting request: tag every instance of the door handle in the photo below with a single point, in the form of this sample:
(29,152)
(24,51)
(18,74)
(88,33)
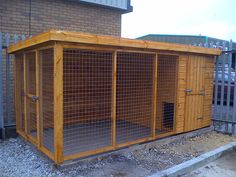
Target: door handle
(35,98)
(199,118)
(188,90)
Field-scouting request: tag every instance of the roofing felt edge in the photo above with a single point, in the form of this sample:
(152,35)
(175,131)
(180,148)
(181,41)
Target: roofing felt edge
(85,38)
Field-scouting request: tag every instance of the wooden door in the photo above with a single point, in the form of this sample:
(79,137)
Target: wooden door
(31,96)
(195,91)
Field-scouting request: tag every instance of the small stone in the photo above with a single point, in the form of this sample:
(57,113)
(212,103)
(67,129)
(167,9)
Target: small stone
(12,140)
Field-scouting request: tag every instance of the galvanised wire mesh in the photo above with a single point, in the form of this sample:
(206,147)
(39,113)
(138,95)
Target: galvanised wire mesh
(87,91)
(46,97)
(134,96)
(20,90)
(166,93)
(31,89)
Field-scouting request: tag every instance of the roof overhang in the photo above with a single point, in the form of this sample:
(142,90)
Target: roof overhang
(93,39)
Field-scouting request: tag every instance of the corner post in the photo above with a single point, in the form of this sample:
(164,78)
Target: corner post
(114,78)
(58,102)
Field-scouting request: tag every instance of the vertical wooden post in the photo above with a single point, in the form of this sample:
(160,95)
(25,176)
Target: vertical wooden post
(114,77)
(154,98)
(25,97)
(40,99)
(58,102)
(38,116)
(177,94)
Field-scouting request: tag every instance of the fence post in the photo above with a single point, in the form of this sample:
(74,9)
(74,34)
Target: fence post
(229,56)
(234,91)
(8,82)
(222,85)
(1,94)
(15,38)
(216,88)
(23,37)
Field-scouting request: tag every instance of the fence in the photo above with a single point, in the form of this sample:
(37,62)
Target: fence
(224,99)
(7,118)
(224,102)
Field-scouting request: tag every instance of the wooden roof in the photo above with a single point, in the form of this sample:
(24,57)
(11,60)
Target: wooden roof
(83,38)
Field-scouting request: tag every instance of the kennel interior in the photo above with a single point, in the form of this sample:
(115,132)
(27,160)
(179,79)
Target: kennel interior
(81,94)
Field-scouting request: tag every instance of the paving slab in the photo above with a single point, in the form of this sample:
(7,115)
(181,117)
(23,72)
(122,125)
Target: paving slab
(222,167)
(195,163)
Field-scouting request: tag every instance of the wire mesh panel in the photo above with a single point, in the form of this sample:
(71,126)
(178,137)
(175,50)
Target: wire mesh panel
(20,91)
(31,90)
(46,101)
(134,96)
(166,90)
(87,100)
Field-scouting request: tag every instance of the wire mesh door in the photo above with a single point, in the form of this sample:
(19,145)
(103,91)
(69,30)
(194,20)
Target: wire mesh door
(30,94)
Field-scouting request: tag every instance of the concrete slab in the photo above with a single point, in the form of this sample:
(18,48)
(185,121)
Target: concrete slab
(196,163)
(222,167)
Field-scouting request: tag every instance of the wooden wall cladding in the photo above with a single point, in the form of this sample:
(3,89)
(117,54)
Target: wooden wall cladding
(209,82)
(181,86)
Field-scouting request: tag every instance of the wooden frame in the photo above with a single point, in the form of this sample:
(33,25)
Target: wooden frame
(67,40)
(155,66)
(25,91)
(39,125)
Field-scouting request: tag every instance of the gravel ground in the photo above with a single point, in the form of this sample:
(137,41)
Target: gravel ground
(18,158)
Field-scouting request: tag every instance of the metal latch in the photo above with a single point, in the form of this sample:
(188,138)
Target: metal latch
(188,90)
(35,98)
(202,92)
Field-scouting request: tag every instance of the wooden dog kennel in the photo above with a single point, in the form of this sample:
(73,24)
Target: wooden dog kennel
(81,94)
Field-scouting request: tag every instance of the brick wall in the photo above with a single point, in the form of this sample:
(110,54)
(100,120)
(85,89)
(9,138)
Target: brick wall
(51,14)
(57,14)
